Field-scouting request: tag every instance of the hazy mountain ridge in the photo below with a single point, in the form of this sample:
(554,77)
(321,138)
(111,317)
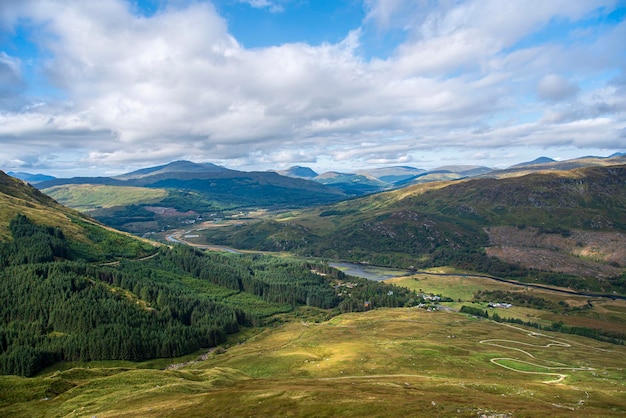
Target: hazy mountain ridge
(191,188)
(173,167)
(186,175)
(539,160)
(205,188)
(31,178)
(299,172)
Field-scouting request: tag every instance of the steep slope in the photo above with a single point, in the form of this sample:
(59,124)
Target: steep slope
(86,238)
(79,291)
(18,197)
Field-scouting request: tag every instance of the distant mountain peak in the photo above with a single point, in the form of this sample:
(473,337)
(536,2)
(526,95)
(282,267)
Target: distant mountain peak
(180,166)
(540,160)
(298,172)
(31,178)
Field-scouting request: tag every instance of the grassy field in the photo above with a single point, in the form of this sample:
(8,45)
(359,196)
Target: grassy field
(85,197)
(598,313)
(388,362)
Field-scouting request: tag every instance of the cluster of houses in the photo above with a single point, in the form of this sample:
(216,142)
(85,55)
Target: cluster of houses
(499,305)
(338,287)
(429,296)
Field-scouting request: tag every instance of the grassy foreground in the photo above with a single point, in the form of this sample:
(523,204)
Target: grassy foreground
(387,362)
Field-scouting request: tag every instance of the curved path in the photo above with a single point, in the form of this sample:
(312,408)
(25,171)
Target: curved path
(560,376)
(509,344)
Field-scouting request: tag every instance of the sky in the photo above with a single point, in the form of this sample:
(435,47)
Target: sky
(110,86)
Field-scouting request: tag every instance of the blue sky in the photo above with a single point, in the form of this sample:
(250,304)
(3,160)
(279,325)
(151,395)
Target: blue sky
(97,88)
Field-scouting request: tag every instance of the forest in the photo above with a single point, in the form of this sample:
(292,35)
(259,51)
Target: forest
(66,304)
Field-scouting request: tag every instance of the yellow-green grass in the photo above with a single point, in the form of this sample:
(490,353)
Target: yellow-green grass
(85,197)
(49,213)
(388,362)
(453,286)
(39,213)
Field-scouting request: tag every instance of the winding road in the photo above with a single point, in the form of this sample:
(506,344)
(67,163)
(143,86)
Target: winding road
(509,344)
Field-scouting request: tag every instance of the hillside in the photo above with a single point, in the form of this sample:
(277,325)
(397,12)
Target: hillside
(548,164)
(452,223)
(87,197)
(31,178)
(85,236)
(81,291)
(384,363)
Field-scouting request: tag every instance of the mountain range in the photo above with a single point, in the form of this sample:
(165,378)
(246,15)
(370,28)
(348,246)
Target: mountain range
(134,201)
(386,177)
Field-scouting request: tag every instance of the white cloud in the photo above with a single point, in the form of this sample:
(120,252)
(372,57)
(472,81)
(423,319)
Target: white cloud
(272,6)
(178,85)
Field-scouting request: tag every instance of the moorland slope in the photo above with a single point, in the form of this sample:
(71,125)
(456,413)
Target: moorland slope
(564,214)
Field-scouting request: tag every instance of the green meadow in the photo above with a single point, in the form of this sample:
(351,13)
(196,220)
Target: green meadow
(85,197)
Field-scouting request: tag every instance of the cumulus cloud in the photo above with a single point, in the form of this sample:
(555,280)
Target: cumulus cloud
(177,84)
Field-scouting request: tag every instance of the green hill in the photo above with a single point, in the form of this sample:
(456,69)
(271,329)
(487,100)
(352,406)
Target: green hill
(85,197)
(383,363)
(457,223)
(87,237)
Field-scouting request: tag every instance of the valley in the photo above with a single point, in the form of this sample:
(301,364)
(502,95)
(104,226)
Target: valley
(312,209)
(486,296)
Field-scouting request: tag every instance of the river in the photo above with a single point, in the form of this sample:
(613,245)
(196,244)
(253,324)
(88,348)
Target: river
(370,272)
(378,274)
